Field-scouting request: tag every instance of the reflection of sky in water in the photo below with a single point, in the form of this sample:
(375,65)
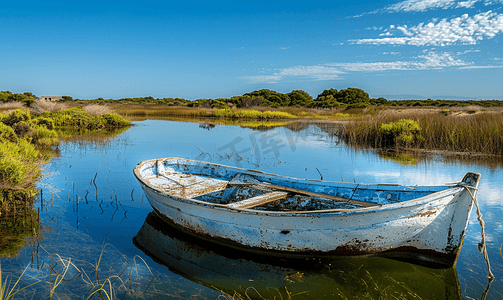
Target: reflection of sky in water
(119,209)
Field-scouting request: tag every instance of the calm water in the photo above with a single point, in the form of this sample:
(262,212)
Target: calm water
(92,238)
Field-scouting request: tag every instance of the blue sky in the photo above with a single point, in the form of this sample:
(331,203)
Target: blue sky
(439,49)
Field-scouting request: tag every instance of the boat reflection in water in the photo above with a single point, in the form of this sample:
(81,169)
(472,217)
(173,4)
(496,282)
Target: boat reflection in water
(248,275)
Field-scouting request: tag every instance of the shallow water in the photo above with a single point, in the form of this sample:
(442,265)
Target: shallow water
(92,208)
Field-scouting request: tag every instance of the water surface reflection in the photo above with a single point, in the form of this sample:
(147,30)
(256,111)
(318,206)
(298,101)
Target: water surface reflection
(244,274)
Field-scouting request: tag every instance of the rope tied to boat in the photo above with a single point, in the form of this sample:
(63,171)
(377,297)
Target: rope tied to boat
(482,243)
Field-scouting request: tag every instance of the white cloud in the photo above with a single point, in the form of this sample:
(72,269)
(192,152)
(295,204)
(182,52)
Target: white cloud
(333,71)
(263,78)
(430,61)
(481,67)
(462,30)
(420,5)
(424,5)
(469,51)
(312,72)
(467,4)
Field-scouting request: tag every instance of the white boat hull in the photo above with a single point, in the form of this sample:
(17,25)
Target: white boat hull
(430,228)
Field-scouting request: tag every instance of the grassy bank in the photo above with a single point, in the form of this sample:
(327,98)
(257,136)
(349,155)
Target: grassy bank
(151,110)
(467,131)
(27,140)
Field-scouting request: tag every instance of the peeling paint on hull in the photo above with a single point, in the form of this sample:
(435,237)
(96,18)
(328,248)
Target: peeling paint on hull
(429,227)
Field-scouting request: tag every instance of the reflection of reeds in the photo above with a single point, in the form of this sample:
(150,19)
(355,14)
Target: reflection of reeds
(355,284)
(71,278)
(18,220)
(7,291)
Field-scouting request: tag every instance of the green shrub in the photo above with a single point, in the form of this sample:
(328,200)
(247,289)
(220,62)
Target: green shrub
(300,98)
(114,120)
(17,116)
(406,131)
(358,105)
(219,103)
(77,117)
(271,98)
(22,129)
(7,133)
(47,122)
(18,162)
(27,98)
(45,137)
(12,171)
(27,152)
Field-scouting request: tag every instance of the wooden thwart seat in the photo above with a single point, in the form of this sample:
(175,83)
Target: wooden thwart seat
(258,200)
(247,180)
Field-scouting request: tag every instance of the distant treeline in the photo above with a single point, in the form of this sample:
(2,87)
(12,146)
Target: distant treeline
(26,98)
(330,98)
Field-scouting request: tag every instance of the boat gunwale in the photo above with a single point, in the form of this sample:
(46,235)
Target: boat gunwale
(451,189)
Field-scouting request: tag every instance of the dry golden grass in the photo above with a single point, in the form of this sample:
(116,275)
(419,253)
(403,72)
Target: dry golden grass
(44,105)
(9,107)
(98,110)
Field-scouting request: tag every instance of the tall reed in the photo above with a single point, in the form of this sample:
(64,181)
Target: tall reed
(480,132)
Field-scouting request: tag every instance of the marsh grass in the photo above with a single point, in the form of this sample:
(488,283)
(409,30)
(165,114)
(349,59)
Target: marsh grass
(40,106)
(98,110)
(462,132)
(156,110)
(150,110)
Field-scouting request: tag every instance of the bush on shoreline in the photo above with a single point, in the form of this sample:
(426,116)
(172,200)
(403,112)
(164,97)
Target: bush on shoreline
(77,117)
(403,131)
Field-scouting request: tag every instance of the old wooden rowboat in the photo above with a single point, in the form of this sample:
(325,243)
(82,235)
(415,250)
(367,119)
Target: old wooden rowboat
(282,215)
